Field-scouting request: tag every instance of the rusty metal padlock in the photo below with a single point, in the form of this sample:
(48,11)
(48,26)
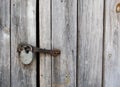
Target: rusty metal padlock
(26,52)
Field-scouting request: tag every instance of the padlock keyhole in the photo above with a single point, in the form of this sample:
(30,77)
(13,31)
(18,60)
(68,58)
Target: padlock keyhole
(27,49)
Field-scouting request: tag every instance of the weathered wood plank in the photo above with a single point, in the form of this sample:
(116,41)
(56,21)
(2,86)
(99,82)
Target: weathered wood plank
(112,45)
(90,38)
(64,37)
(4,43)
(45,42)
(23,29)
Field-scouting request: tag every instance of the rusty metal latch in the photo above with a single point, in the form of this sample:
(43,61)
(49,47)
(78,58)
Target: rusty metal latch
(26,52)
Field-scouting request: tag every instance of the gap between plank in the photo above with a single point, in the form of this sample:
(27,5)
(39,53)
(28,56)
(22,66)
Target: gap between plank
(103,45)
(10,45)
(51,39)
(77,47)
(37,44)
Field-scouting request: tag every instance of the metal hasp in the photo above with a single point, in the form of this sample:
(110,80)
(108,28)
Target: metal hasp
(26,52)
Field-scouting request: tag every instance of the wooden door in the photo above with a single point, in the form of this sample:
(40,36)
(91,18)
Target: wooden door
(23,29)
(58,29)
(17,24)
(112,44)
(85,31)
(73,26)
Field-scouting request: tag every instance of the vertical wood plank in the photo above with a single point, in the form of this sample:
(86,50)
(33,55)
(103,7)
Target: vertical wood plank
(23,29)
(64,36)
(90,38)
(45,42)
(112,45)
(4,43)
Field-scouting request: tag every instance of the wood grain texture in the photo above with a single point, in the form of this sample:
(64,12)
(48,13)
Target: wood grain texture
(23,29)
(45,42)
(112,45)
(64,37)
(4,43)
(90,39)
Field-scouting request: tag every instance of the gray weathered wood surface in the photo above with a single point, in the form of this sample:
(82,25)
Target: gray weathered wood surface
(64,37)
(86,31)
(90,37)
(23,29)
(45,42)
(4,43)
(112,45)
